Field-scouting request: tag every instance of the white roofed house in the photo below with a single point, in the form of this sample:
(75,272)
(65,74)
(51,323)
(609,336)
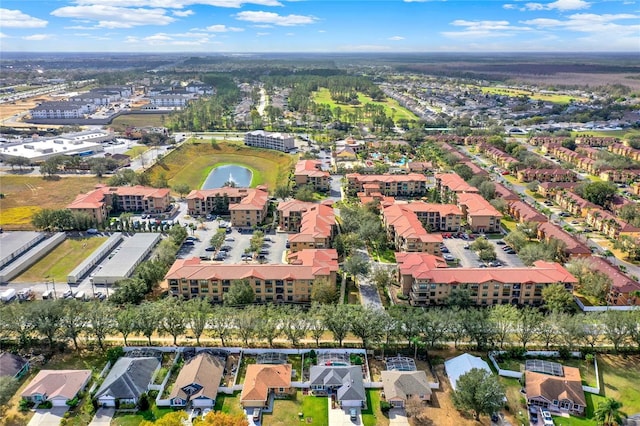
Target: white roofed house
(462,364)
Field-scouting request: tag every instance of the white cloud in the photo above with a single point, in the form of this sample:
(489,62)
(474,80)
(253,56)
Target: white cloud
(17,19)
(183,13)
(560,5)
(322,31)
(220,28)
(115,17)
(262,34)
(37,37)
(589,23)
(483,29)
(396,38)
(3,35)
(158,37)
(178,4)
(261,17)
(290,34)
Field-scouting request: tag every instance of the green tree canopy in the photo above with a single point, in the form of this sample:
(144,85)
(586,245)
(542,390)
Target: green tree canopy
(478,391)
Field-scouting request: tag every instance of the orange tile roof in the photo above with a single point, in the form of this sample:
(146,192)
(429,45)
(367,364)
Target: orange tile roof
(410,177)
(477,205)
(454,182)
(572,245)
(431,268)
(255,200)
(317,222)
(407,225)
(619,281)
(95,198)
(260,378)
(309,265)
(442,209)
(310,168)
(526,212)
(285,208)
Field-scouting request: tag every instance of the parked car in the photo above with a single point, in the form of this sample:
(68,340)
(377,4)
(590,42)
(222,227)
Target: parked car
(495,263)
(500,243)
(533,414)
(448,257)
(229,239)
(444,250)
(210,248)
(510,251)
(546,418)
(256,415)
(353,414)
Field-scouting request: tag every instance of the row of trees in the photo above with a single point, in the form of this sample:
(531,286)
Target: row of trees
(498,326)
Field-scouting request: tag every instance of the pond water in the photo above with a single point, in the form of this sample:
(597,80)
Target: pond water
(239,175)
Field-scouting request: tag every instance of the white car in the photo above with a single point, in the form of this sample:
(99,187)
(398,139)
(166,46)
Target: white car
(205,412)
(546,418)
(448,257)
(228,239)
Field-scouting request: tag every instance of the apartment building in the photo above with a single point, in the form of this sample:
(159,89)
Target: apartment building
(542,140)
(309,172)
(523,212)
(62,110)
(609,224)
(480,215)
(427,280)
(291,282)
(498,156)
(290,214)
(450,185)
(619,175)
(625,151)
(596,141)
(623,290)
(247,206)
(278,141)
(409,185)
(317,229)
(407,232)
(572,247)
(548,189)
(436,217)
(573,203)
(105,200)
(546,175)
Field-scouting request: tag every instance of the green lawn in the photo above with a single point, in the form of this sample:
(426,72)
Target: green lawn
(557,98)
(246,360)
(391,107)
(296,364)
(136,151)
(623,134)
(372,416)
(509,223)
(60,261)
(129,419)
(137,120)
(385,256)
(228,403)
(315,411)
(192,162)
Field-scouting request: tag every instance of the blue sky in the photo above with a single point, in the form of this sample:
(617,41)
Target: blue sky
(319,25)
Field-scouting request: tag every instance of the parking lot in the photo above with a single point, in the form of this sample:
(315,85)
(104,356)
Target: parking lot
(236,243)
(469,259)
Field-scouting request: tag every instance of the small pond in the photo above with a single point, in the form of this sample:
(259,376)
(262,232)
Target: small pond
(239,175)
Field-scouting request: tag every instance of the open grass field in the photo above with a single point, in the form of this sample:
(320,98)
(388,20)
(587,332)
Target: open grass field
(138,120)
(192,162)
(549,97)
(315,411)
(136,151)
(25,195)
(391,107)
(61,260)
(622,134)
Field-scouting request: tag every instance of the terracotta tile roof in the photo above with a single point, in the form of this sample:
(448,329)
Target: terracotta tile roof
(309,265)
(505,193)
(318,221)
(57,383)
(95,198)
(204,370)
(572,245)
(285,208)
(432,268)
(477,206)
(556,388)
(255,200)
(619,281)
(410,177)
(454,182)
(442,209)
(406,224)
(310,168)
(260,378)
(526,212)
(420,166)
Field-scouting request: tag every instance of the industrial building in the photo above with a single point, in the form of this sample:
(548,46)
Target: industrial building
(131,252)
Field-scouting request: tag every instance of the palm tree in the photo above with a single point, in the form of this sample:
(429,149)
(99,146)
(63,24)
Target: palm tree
(608,413)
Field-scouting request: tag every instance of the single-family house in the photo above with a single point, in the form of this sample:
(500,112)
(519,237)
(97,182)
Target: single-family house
(263,382)
(556,393)
(56,386)
(13,365)
(198,381)
(345,382)
(400,386)
(127,380)
(462,364)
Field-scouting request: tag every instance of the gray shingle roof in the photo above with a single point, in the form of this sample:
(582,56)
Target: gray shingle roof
(348,380)
(128,378)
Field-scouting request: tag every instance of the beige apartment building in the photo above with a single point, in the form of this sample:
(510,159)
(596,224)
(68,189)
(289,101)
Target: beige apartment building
(292,282)
(427,280)
(481,216)
(309,172)
(247,206)
(409,185)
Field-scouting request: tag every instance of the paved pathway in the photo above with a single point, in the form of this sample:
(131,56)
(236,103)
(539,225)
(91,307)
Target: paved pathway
(368,292)
(51,417)
(103,417)
(398,417)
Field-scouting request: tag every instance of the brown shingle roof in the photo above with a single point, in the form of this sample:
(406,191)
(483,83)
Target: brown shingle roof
(556,388)
(260,378)
(205,370)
